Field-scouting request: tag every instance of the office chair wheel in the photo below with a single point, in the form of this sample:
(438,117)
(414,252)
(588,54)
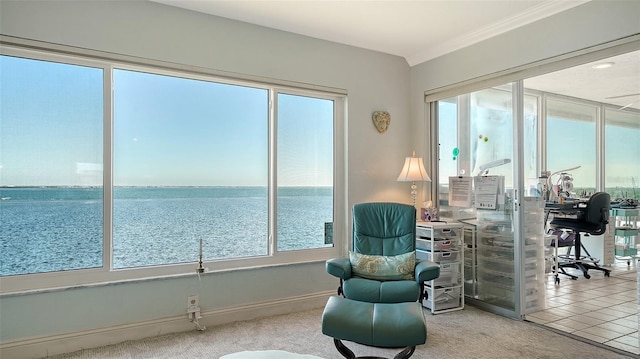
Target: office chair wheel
(557,281)
(607,274)
(588,276)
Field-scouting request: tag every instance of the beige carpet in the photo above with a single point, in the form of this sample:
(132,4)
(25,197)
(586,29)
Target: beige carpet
(268,354)
(468,333)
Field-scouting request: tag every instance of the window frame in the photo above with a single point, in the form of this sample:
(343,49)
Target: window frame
(28,283)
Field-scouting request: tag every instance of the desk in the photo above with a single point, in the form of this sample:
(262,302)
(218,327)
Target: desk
(568,207)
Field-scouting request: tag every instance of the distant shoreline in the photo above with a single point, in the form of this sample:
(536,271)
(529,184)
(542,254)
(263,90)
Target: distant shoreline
(171,186)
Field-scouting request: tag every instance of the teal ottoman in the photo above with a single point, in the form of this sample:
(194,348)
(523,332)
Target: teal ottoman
(387,325)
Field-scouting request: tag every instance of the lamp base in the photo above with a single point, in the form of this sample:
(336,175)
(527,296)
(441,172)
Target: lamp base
(414,192)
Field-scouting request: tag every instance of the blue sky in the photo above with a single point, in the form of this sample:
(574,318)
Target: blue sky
(167,131)
(50,119)
(174,131)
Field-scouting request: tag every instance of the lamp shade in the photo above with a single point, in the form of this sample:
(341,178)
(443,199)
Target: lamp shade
(413,171)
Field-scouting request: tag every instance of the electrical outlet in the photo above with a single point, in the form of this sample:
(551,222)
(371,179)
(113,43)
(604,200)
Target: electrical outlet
(193,303)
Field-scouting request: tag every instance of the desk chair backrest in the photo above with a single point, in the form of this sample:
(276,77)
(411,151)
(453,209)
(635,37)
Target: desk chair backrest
(597,212)
(384,228)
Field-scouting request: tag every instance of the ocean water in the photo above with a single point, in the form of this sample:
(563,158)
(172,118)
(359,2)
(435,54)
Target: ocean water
(54,228)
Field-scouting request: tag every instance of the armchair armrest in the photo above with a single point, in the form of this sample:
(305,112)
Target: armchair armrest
(426,270)
(339,267)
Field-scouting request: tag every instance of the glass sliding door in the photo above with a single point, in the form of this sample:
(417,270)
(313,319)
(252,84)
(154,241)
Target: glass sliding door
(594,140)
(488,138)
(491,144)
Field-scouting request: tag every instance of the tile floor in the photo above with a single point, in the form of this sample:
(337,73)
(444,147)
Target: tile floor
(601,309)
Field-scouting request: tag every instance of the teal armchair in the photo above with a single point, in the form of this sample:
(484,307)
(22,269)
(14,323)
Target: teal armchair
(381,267)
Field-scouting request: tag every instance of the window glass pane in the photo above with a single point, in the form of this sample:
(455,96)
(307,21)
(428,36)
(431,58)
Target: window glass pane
(305,172)
(51,131)
(448,146)
(622,144)
(190,164)
(571,142)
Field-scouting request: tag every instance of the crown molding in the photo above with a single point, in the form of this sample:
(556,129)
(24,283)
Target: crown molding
(533,14)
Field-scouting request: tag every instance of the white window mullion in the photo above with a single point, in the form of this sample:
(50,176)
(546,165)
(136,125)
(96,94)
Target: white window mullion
(107,168)
(600,147)
(273,167)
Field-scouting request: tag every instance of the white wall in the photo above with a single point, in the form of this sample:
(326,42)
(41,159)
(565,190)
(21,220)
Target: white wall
(374,81)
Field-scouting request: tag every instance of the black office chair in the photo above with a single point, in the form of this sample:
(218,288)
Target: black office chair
(592,221)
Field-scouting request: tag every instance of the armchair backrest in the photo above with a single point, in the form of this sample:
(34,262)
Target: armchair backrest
(384,228)
(597,211)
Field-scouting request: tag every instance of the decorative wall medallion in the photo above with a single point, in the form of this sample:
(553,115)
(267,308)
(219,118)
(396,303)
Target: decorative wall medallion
(381,119)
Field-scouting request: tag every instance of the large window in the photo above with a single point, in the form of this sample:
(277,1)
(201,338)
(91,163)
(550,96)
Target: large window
(572,142)
(167,166)
(622,146)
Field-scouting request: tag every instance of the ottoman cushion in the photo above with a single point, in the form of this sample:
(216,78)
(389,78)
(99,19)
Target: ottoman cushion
(389,325)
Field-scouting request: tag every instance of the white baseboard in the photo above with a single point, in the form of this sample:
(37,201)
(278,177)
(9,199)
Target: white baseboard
(42,346)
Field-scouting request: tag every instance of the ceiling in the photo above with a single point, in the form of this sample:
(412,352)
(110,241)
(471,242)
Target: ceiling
(420,30)
(618,85)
